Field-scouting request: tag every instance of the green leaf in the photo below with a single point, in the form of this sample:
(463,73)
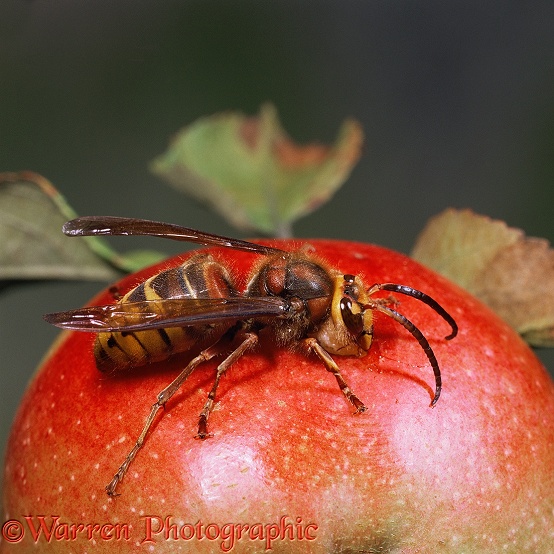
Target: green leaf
(32,245)
(512,273)
(252,173)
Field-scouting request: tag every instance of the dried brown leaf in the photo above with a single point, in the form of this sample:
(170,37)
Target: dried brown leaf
(513,274)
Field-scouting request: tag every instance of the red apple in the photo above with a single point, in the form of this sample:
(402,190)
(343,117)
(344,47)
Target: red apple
(290,468)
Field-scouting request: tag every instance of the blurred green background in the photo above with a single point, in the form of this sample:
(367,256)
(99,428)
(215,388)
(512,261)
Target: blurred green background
(456,99)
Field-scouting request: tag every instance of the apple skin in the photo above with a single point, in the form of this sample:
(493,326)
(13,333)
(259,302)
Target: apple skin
(473,474)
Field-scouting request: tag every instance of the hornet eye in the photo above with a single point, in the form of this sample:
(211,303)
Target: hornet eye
(354,322)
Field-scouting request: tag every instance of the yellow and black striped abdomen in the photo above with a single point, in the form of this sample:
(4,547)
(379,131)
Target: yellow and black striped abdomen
(199,277)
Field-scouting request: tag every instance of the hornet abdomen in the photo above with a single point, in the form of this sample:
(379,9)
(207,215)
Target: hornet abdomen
(199,277)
